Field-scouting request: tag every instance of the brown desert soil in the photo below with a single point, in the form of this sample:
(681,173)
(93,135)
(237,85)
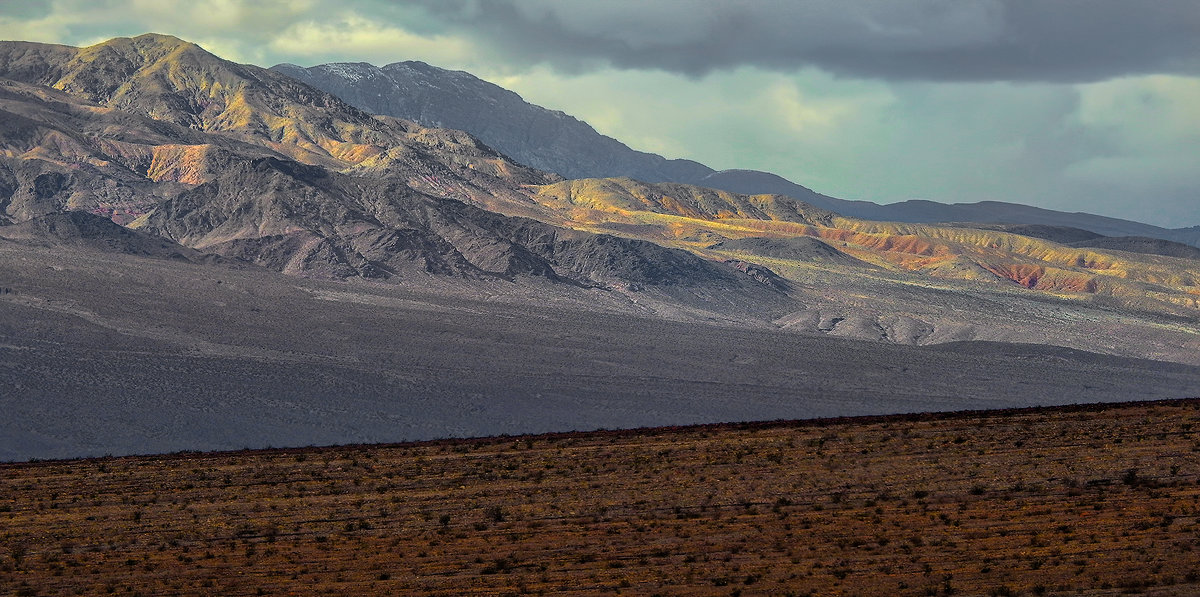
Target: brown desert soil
(1098,500)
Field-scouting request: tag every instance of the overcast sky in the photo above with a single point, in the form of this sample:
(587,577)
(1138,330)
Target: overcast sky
(1078,105)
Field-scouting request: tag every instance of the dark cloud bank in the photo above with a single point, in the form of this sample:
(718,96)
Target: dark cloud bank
(939,40)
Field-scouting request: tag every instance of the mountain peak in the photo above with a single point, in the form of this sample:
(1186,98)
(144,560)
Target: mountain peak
(175,81)
(546,139)
(143,49)
(127,72)
(352,71)
(161,39)
(426,68)
(145,40)
(742,173)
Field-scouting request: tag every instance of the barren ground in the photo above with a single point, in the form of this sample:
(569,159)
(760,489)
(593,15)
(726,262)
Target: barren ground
(113,354)
(1099,500)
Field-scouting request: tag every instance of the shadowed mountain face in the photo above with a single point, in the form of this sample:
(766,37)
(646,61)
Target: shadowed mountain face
(306,219)
(756,182)
(800,248)
(1141,244)
(1059,234)
(96,233)
(556,142)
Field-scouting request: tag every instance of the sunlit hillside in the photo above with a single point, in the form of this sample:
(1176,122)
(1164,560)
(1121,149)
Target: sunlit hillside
(704,221)
(185,91)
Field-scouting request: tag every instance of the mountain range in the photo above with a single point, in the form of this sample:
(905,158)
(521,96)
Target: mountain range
(157,134)
(233,159)
(556,142)
(173,223)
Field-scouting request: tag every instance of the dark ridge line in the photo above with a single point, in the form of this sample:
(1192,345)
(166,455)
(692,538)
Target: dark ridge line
(998,413)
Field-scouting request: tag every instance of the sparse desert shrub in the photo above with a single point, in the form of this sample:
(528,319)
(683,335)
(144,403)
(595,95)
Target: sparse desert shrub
(496,514)
(500,565)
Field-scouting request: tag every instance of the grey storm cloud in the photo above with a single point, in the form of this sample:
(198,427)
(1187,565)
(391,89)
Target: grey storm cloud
(939,40)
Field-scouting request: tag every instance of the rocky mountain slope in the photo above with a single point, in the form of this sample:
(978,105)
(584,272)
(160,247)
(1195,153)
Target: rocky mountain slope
(556,142)
(909,283)
(99,234)
(545,139)
(232,159)
(1036,257)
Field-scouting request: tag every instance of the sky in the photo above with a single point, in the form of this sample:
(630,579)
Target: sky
(1076,105)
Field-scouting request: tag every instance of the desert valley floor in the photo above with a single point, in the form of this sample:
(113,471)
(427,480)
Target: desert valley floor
(116,354)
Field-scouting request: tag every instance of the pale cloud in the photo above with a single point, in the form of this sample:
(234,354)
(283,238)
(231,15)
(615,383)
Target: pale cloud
(1150,113)
(28,25)
(746,118)
(49,31)
(1152,125)
(803,115)
(248,17)
(1150,166)
(1149,172)
(349,36)
(235,29)
(257,31)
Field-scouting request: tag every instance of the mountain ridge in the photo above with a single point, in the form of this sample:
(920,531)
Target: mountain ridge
(534,135)
(282,175)
(554,141)
(1158,276)
(253,165)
